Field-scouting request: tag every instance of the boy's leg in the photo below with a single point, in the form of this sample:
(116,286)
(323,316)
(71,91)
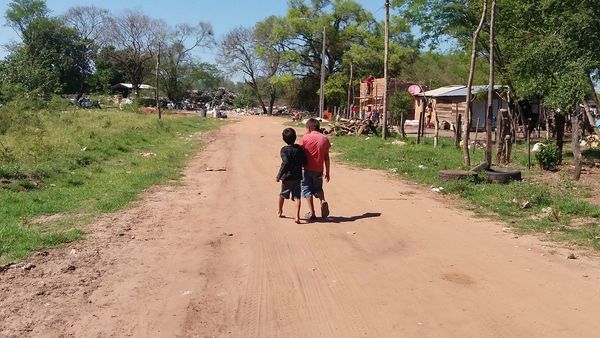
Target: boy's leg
(298,205)
(324,204)
(280,211)
(311,206)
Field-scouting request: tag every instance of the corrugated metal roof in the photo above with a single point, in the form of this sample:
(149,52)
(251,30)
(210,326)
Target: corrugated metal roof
(456,91)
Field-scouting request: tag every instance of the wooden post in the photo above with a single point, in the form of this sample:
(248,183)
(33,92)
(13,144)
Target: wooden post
(385,69)
(468,113)
(528,150)
(476,132)
(322,91)
(421,116)
(575,144)
(349,104)
(156,89)
(490,107)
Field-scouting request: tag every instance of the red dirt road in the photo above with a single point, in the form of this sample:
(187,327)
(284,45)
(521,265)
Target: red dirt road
(210,258)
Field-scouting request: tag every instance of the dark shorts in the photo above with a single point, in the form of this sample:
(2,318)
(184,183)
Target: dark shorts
(290,187)
(312,183)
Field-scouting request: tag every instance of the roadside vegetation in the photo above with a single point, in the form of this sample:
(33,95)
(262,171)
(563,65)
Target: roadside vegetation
(558,210)
(78,164)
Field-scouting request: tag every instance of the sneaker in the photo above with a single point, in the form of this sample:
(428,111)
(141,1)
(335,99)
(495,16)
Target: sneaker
(324,209)
(310,217)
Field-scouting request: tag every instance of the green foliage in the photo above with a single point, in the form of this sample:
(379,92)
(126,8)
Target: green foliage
(549,156)
(401,103)
(205,76)
(107,71)
(21,13)
(49,60)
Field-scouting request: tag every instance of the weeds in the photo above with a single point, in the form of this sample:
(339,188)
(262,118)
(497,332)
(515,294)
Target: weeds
(76,162)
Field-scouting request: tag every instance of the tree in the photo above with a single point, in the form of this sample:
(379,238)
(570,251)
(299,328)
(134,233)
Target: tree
(176,59)
(259,63)
(136,37)
(205,76)
(90,22)
(400,105)
(299,35)
(48,60)
(107,72)
(21,13)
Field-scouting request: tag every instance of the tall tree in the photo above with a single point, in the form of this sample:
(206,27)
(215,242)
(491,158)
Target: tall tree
(247,51)
(90,22)
(136,37)
(21,13)
(176,58)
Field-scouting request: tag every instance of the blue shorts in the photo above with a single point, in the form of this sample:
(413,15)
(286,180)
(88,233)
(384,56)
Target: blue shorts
(312,183)
(291,187)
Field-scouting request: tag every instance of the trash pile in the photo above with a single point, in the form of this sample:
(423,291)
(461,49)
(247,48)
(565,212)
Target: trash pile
(221,97)
(350,127)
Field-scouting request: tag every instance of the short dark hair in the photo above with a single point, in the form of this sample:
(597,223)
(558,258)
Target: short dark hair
(313,124)
(289,136)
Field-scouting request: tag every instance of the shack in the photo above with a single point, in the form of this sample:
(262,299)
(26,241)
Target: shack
(450,101)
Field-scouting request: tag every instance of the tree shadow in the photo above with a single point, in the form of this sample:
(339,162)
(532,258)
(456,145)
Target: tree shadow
(341,219)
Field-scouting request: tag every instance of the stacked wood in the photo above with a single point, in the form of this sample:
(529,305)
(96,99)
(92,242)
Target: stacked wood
(350,127)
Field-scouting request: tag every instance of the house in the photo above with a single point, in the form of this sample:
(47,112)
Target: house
(449,101)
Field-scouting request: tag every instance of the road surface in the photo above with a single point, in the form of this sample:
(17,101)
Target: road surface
(209,258)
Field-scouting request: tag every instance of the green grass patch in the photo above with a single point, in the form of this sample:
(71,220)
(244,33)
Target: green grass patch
(574,219)
(81,163)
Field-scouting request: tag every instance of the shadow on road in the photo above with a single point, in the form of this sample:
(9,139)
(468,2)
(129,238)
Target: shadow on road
(341,219)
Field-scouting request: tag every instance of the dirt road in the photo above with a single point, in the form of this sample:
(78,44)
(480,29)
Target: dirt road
(210,258)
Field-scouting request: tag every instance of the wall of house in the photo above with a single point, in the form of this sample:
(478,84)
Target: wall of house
(448,107)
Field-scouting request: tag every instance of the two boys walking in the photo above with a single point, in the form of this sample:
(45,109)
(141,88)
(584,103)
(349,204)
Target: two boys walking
(312,155)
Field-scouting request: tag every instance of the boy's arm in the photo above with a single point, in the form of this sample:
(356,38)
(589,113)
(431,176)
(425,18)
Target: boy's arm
(327,166)
(284,164)
(327,162)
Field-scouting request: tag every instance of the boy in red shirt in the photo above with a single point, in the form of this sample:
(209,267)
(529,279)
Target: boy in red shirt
(316,148)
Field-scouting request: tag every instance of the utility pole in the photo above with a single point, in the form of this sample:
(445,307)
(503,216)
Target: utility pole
(385,69)
(349,105)
(490,103)
(156,89)
(322,91)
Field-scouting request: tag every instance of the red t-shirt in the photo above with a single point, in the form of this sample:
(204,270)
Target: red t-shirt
(315,146)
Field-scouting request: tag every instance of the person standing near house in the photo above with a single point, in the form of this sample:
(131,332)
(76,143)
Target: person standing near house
(370,81)
(317,166)
(429,114)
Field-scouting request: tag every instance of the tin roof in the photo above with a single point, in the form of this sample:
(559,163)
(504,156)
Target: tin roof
(456,91)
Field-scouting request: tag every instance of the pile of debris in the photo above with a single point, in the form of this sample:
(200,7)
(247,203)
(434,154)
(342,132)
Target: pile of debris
(590,142)
(221,97)
(350,127)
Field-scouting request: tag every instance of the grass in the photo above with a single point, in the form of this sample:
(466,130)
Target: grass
(574,220)
(80,164)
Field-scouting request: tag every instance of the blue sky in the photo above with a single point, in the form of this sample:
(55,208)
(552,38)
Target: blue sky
(222,14)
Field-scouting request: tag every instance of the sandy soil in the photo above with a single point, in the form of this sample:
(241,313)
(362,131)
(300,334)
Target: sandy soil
(210,259)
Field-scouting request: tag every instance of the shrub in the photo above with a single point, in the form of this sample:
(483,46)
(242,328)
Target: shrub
(548,157)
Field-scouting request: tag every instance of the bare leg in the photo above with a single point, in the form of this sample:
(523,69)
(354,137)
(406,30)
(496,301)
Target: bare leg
(280,211)
(324,204)
(298,205)
(311,205)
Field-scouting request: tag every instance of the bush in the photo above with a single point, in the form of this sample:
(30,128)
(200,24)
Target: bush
(549,156)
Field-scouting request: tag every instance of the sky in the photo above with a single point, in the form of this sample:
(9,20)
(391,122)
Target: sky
(223,15)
